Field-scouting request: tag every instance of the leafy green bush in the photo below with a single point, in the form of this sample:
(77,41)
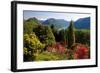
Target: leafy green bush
(45,34)
(31,41)
(32,45)
(48,56)
(27,55)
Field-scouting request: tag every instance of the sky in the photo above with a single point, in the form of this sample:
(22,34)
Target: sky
(44,15)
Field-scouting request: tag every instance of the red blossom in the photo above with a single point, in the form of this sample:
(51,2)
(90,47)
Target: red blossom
(81,52)
(57,48)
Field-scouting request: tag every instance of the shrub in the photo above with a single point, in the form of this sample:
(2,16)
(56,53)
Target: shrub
(27,55)
(45,34)
(32,45)
(46,56)
(58,48)
(31,41)
(50,56)
(80,51)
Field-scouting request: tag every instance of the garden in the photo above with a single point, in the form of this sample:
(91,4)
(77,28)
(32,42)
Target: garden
(47,43)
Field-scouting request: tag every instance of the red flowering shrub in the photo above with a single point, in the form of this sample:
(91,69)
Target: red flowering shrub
(56,48)
(81,52)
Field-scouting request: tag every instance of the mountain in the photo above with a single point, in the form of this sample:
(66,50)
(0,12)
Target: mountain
(82,23)
(58,23)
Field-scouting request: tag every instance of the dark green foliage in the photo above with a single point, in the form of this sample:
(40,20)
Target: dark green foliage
(52,27)
(62,35)
(55,32)
(71,35)
(83,36)
(40,31)
(28,56)
(45,34)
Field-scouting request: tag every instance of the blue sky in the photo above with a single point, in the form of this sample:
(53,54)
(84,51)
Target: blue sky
(40,15)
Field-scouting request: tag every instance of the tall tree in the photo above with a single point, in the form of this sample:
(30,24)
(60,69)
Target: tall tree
(62,35)
(71,35)
(50,39)
(52,26)
(45,34)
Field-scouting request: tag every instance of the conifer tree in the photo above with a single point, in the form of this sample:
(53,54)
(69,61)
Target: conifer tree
(71,35)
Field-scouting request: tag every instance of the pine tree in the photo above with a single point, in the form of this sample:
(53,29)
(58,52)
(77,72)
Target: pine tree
(71,35)
(50,39)
(62,35)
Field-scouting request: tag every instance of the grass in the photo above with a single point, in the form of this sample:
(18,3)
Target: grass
(47,56)
(83,30)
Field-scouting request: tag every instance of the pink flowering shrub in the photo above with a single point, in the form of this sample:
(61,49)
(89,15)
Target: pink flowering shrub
(80,52)
(59,48)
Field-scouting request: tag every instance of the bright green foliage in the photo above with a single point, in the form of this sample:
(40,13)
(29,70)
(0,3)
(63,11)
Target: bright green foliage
(30,24)
(26,51)
(31,41)
(32,45)
(71,35)
(48,56)
(50,39)
(33,20)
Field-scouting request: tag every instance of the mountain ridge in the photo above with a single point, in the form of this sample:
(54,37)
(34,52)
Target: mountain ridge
(81,23)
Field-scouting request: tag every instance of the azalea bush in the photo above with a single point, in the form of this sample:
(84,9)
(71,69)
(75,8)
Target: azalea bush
(58,48)
(80,51)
